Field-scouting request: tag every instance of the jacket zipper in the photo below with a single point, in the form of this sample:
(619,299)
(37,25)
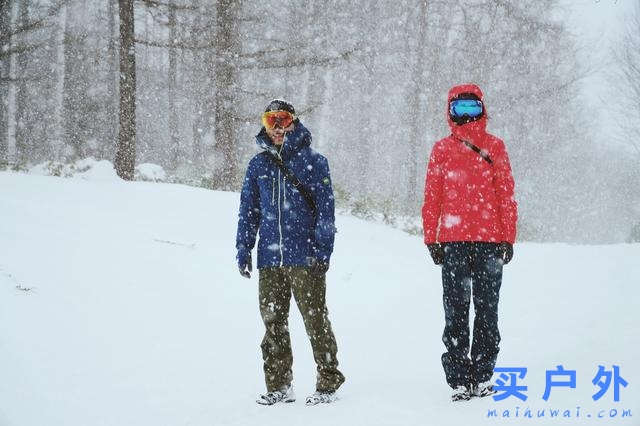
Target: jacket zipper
(273,191)
(280,221)
(279,204)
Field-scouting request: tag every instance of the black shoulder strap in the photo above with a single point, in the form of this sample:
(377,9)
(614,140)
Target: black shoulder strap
(481,153)
(295,182)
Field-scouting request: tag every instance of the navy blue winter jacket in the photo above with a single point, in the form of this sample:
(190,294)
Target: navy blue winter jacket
(272,204)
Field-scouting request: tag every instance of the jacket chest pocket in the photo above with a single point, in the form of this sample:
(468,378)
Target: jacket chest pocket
(268,189)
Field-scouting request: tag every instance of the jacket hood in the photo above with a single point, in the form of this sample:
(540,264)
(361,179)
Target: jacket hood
(294,141)
(474,131)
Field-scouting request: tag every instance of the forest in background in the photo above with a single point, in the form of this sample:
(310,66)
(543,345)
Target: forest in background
(182,84)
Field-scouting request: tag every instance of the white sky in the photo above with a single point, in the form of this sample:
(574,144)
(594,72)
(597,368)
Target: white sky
(598,27)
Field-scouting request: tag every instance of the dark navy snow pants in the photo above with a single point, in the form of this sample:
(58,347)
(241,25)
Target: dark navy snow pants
(470,269)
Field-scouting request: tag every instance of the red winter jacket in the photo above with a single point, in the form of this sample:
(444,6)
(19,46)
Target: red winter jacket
(465,197)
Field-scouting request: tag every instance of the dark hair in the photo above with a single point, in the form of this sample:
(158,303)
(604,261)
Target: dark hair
(280,105)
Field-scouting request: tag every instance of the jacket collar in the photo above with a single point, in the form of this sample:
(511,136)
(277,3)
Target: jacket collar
(294,141)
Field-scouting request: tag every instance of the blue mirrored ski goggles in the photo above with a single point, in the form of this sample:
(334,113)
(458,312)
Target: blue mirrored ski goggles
(472,108)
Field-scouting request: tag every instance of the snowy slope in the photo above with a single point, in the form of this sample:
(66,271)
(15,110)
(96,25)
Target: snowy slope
(120,304)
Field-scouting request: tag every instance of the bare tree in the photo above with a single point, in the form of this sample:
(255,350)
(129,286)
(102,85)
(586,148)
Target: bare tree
(226,79)
(415,110)
(112,79)
(5,69)
(201,83)
(22,93)
(126,152)
(628,55)
(165,13)
(24,46)
(628,85)
(173,76)
(76,81)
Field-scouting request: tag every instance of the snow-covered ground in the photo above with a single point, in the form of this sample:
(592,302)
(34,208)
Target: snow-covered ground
(121,304)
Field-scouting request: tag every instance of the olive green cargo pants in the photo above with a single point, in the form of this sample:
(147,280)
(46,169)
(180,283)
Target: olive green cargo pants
(276,285)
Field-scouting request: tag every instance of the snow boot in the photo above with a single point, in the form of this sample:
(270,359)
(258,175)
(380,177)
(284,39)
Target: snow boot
(284,394)
(461,393)
(483,389)
(321,397)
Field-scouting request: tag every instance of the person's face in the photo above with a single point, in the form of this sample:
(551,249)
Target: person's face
(277,133)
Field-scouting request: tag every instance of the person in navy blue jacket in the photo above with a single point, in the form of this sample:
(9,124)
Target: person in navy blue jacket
(294,250)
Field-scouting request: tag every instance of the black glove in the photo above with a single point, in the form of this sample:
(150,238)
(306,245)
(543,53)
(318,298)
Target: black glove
(506,252)
(319,268)
(245,266)
(437,253)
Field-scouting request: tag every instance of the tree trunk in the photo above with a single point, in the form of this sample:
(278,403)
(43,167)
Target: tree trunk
(173,115)
(126,152)
(315,81)
(112,84)
(22,92)
(70,133)
(58,143)
(5,26)
(201,86)
(11,87)
(414,114)
(226,78)
(75,85)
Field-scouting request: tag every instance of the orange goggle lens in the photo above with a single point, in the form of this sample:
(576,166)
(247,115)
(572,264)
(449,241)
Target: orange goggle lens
(271,119)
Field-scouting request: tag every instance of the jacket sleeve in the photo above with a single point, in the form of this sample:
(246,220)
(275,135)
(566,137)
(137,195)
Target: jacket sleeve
(432,197)
(248,216)
(504,187)
(325,204)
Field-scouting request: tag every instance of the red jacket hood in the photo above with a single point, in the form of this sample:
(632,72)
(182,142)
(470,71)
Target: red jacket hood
(476,130)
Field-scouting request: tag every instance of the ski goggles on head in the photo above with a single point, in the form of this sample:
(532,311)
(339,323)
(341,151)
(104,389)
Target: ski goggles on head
(459,108)
(271,119)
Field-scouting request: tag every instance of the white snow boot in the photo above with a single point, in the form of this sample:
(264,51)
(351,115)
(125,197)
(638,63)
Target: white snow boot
(483,389)
(321,397)
(461,393)
(282,395)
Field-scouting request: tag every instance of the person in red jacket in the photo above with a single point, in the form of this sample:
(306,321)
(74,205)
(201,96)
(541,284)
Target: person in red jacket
(469,218)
